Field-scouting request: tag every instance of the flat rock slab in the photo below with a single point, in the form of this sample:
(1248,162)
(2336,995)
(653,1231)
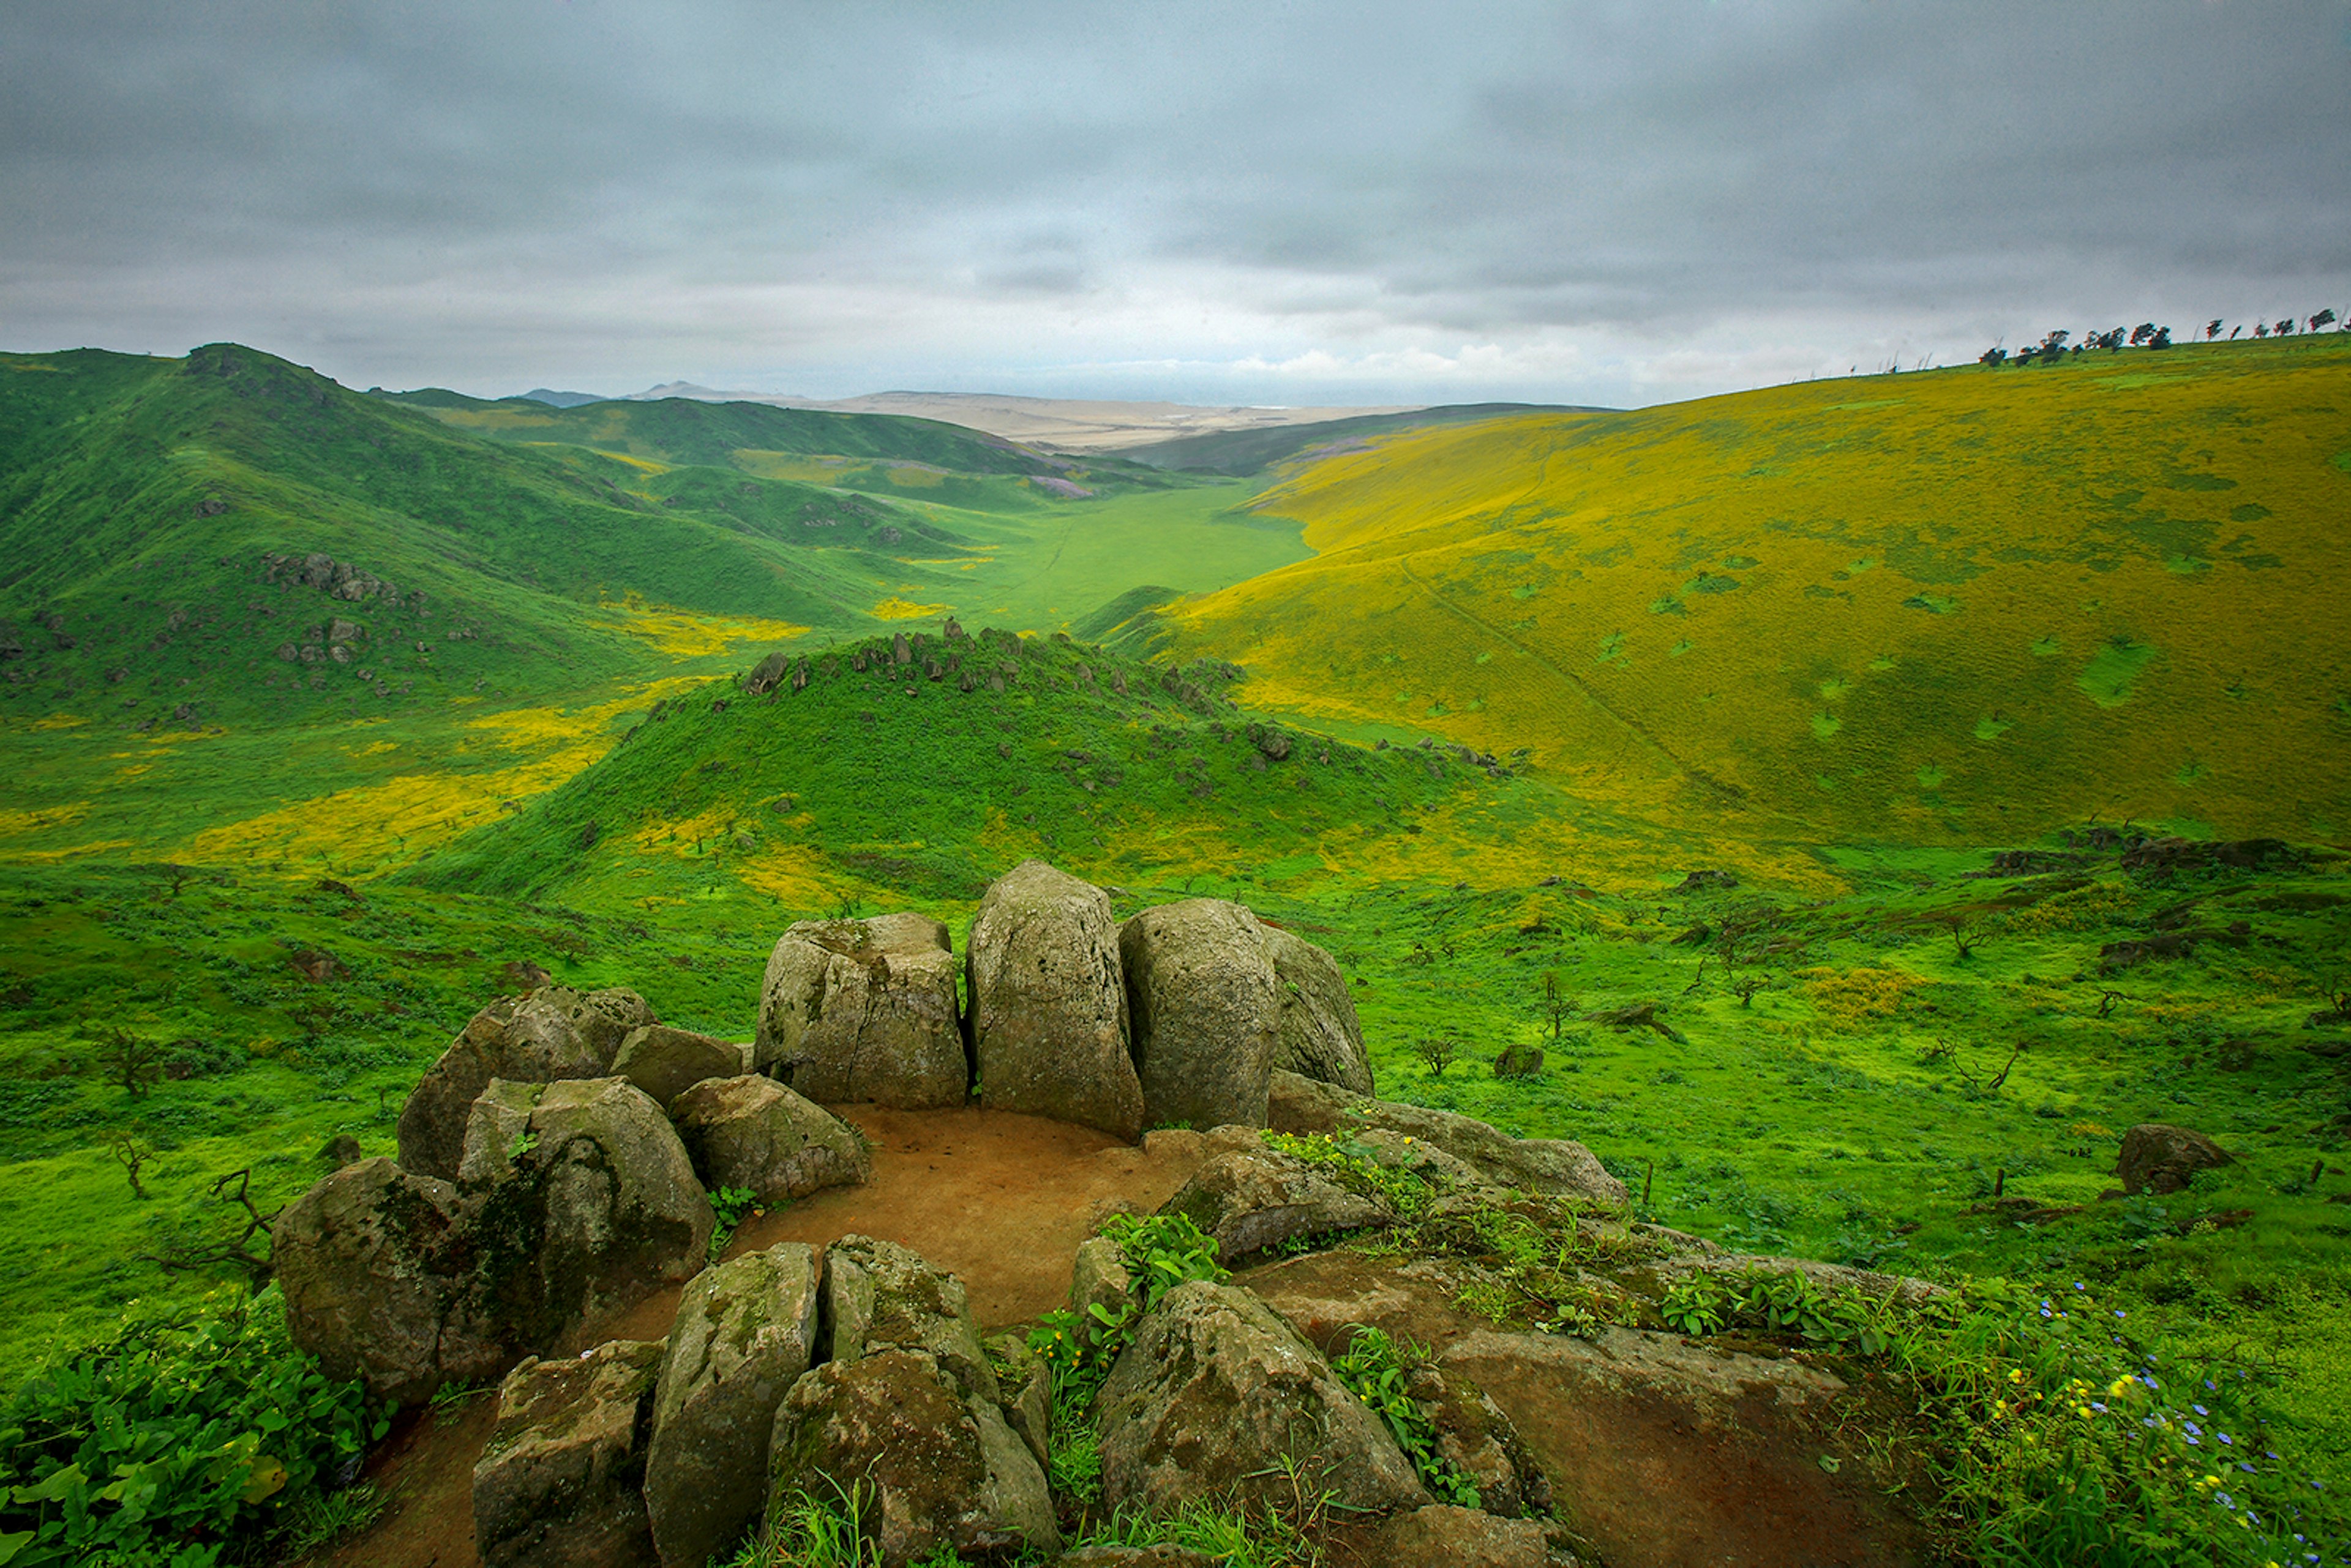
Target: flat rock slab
(1664,1453)
(1557,1167)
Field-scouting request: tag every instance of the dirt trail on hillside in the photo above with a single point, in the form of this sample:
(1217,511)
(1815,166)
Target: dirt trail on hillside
(1000,1200)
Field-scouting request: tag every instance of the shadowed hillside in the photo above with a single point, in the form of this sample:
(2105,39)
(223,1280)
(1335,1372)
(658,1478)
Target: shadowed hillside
(1968,603)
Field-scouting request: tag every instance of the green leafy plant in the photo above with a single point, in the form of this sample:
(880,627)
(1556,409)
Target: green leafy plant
(1374,1366)
(1697,1303)
(174,1442)
(730,1204)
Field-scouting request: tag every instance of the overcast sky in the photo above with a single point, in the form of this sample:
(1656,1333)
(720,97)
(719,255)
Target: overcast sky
(1264,203)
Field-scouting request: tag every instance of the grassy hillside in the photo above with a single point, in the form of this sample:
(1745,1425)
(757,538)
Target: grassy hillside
(1238,454)
(1968,603)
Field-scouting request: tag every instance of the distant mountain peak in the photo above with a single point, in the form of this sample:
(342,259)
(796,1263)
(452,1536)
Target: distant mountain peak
(554,399)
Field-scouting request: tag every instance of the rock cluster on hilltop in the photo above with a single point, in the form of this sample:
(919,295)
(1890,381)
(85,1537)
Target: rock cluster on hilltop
(554,1172)
(1177,1017)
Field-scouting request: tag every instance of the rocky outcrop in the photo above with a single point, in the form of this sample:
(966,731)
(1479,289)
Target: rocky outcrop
(1049,1023)
(2159,1158)
(586,1204)
(1206,1012)
(865,1010)
(1459,1538)
(1215,1392)
(1253,1197)
(907,1401)
(1027,1386)
(561,1482)
(665,1063)
(554,1032)
(744,1333)
(1555,1166)
(941,1468)
(1321,1037)
(370,1260)
(751,1134)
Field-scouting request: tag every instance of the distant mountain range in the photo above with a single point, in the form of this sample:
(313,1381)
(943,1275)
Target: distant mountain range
(1057,424)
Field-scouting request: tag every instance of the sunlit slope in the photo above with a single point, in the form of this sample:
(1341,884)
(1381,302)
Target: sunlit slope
(1962,604)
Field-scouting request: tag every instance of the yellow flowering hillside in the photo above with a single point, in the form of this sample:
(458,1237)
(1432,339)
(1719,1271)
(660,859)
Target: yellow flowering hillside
(1967,604)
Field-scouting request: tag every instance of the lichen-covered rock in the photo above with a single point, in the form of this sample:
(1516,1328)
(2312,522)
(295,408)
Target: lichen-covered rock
(1161,1554)
(942,1467)
(1320,1036)
(1477,1439)
(665,1063)
(586,1205)
(1460,1538)
(2159,1158)
(1556,1166)
(879,1295)
(552,1033)
(1215,1392)
(1049,1002)
(368,1261)
(1254,1198)
(1205,1010)
(855,1010)
(1026,1385)
(1099,1276)
(561,1482)
(750,1132)
(744,1333)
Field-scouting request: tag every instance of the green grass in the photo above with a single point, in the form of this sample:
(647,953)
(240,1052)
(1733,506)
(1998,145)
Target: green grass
(565,789)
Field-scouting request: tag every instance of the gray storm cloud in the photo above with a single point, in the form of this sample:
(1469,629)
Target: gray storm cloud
(1319,202)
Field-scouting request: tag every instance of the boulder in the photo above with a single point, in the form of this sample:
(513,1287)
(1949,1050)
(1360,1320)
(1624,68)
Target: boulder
(2157,1158)
(1477,1439)
(744,1333)
(551,1033)
(1215,1392)
(1165,1554)
(586,1205)
(1026,1385)
(1459,1538)
(1253,1198)
(1206,1012)
(1321,1037)
(881,1296)
(1555,1166)
(368,1260)
(1049,1003)
(561,1482)
(750,1132)
(940,1468)
(1099,1276)
(665,1063)
(865,1010)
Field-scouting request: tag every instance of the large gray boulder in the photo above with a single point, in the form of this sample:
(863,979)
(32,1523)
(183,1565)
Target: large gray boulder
(552,1033)
(1556,1166)
(665,1063)
(561,1482)
(751,1134)
(942,1467)
(1252,1198)
(879,1295)
(1206,1012)
(744,1333)
(1320,1036)
(1215,1392)
(370,1261)
(865,1010)
(586,1205)
(1049,1003)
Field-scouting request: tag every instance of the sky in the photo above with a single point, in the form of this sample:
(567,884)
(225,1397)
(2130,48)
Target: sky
(1272,203)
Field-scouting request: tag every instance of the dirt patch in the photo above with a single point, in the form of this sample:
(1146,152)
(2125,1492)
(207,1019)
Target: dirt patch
(999,1199)
(1660,1452)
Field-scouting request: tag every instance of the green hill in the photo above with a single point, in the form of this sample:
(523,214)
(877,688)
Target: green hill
(1239,453)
